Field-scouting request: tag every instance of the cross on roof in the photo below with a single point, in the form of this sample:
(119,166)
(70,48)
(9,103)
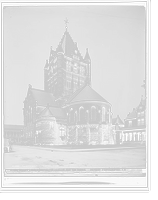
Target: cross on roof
(66,22)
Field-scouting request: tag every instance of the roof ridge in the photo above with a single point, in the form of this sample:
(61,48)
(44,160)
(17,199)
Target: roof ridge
(75,93)
(41,91)
(97,97)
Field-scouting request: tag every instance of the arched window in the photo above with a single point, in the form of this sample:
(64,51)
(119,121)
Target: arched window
(81,114)
(71,115)
(87,116)
(103,114)
(75,117)
(93,113)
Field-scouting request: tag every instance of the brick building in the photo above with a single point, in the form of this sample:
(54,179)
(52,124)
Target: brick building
(134,129)
(15,133)
(68,110)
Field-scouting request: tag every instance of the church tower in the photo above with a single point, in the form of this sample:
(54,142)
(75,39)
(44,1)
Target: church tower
(66,71)
(60,72)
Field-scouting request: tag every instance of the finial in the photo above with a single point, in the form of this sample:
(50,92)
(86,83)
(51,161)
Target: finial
(66,22)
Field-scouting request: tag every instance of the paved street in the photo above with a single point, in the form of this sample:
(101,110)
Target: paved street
(24,157)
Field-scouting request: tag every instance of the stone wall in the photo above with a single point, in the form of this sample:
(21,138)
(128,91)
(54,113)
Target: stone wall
(47,131)
(93,134)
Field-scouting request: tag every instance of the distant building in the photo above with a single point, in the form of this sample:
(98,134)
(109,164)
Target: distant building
(134,130)
(15,133)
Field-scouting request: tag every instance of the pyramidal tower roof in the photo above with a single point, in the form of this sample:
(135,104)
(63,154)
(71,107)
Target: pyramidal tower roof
(68,45)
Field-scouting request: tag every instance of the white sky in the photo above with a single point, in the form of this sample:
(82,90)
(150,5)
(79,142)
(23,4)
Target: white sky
(114,35)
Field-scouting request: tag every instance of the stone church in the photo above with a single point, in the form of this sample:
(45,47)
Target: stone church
(68,111)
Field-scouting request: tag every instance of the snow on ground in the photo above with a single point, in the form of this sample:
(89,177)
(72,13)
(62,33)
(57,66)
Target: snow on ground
(24,157)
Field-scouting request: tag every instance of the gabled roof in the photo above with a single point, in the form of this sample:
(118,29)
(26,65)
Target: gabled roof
(53,112)
(43,98)
(57,112)
(85,94)
(117,121)
(45,113)
(132,114)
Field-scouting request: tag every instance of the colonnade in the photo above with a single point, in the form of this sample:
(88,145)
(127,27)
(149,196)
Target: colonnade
(139,136)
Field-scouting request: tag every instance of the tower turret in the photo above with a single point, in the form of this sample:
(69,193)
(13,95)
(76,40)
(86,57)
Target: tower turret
(60,71)
(46,77)
(88,68)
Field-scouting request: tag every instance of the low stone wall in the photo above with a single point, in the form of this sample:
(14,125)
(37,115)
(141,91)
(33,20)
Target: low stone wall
(93,134)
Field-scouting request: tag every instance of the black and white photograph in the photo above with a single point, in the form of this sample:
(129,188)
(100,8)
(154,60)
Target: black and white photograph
(75,96)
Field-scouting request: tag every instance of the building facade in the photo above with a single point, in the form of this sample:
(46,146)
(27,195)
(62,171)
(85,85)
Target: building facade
(68,110)
(15,133)
(134,130)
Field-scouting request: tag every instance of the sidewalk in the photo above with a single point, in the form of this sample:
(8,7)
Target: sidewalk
(62,148)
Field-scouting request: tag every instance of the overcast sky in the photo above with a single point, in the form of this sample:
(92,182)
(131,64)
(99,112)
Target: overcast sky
(114,35)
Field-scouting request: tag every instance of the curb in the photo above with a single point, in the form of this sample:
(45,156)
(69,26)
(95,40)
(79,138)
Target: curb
(83,150)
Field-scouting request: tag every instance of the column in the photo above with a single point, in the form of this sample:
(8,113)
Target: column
(134,136)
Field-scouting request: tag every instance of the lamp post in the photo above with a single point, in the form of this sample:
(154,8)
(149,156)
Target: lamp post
(100,129)
(88,132)
(76,126)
